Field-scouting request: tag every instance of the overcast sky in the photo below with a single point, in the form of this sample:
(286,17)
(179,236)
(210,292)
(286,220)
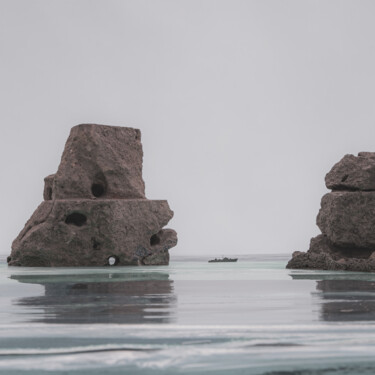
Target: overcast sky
(244,106)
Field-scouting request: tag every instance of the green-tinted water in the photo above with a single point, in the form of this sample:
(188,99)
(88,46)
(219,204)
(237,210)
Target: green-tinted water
(250,317)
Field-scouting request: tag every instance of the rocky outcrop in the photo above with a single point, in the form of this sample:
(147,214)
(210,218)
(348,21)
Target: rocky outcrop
(95,212)
(353,173)
(346,219)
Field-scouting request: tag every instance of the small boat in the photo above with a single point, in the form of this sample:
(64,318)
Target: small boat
(225,259)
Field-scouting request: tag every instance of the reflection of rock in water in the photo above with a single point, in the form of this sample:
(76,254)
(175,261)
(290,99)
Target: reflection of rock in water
(347,300)
(103,301)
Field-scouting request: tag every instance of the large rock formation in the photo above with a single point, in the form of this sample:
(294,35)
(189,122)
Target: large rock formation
(346,219)
(95,212)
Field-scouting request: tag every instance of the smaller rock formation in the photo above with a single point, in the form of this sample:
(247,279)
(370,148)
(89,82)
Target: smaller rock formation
(95,212)
(346,219)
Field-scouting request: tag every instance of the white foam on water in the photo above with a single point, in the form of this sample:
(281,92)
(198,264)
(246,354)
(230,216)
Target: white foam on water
(222,356)
(241,347)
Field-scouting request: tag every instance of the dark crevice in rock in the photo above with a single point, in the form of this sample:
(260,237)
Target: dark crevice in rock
(348,251)
(343,188)
(351,253)
(76,218)
(155,239)
(349,189)
(99,185)
(97,190)
(95,244)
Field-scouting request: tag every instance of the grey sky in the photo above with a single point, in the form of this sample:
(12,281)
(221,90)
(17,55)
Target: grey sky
(243,106)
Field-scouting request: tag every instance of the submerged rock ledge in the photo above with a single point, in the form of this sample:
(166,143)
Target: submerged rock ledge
(346,219)
(95,211)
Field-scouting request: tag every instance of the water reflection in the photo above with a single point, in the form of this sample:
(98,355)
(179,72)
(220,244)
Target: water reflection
(347,300)
(131,298)
(344,297)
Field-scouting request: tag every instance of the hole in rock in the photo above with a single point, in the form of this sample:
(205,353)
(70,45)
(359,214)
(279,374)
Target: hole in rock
(154,240)
(113,260)
(352,252)
(95,244)
(97,190)
(76,218)
(99,185)
(345,178)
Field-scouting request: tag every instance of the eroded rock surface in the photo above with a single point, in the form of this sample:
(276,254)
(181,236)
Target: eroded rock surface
(346,219)
(95,212)
(100,161)
(353,173)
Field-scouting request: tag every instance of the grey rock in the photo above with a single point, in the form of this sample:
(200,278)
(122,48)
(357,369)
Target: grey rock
(100,161)
(94,211)
(353,173)
(346,220)
(323,255)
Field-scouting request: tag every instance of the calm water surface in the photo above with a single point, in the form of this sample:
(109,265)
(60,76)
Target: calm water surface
(192,317)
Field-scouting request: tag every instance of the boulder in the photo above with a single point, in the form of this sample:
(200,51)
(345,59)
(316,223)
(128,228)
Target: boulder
(348,218)
(324,255)
(353,173)
(95,212)
(100,162)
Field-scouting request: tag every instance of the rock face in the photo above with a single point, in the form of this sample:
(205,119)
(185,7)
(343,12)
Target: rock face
(353,173)
(95,212)
(346,219)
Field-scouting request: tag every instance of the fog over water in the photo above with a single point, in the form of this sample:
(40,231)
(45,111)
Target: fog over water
(244,106)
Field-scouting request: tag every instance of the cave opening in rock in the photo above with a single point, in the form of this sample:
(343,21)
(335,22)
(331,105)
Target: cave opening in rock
(353,252)
(97,190)
(99,185)
(76,218)
(154,240)
(113,260)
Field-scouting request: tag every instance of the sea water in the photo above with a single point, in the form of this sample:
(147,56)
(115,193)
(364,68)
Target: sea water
(191,317)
